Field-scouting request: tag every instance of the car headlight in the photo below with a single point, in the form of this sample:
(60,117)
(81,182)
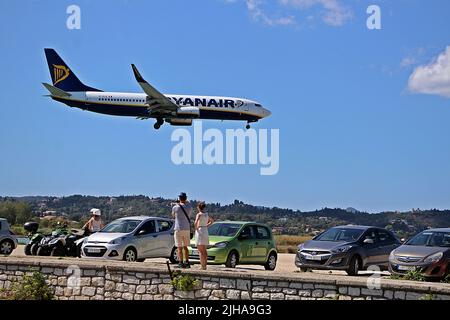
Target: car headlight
(392,256)
(433,258)
(341,249)
(221,244)
(300,247)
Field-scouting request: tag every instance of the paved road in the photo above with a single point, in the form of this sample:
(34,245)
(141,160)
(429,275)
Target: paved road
(285,265)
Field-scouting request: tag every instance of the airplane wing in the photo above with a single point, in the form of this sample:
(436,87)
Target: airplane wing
(158,103)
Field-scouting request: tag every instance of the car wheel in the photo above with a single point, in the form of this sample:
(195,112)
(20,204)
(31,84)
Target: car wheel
(303,269)
(173,256)
(27,249)
(354,266)
(271,263)
(232,260)
(130,255)
(34,248)
(6,247)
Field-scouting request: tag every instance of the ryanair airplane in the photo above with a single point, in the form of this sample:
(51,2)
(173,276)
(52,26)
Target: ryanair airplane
(178,110)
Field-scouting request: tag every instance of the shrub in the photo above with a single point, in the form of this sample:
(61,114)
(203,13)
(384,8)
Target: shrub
(31,287)
(184,282)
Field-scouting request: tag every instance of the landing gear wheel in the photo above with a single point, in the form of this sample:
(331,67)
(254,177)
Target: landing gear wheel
(158,124)
(247,126)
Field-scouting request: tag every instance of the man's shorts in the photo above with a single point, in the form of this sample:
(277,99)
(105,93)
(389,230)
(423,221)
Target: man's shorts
(182,238)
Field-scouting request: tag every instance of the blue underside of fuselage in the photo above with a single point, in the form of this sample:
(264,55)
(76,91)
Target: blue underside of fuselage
(139,111)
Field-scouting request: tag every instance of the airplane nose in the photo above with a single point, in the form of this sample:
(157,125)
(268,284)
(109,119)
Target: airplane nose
(267,113)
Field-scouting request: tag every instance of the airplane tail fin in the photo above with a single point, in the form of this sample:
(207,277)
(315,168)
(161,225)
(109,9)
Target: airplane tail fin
(62,76)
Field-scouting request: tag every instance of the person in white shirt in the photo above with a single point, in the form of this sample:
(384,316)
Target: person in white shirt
(202,222)
(95,223)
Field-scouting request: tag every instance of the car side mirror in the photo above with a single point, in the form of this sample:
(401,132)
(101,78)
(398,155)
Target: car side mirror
(243,237)
(140,232)
(368,241)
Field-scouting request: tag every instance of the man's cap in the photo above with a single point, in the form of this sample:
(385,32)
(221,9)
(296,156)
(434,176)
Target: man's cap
(182,195)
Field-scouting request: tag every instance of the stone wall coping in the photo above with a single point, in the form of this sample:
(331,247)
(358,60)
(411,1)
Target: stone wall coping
(261,276)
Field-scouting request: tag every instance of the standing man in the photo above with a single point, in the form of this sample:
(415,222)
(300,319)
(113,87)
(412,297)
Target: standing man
(181,212)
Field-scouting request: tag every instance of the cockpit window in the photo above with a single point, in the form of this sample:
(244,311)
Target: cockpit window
(258,105)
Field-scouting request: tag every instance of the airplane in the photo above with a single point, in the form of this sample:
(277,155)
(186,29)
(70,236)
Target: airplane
(175,109)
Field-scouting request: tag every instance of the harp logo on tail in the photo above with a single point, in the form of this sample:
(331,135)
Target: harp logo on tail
(60,73)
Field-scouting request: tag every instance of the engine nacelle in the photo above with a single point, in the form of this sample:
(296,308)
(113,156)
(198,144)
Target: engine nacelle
(180,122)
(189,112)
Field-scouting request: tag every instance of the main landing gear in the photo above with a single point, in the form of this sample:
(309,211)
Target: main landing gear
(248,124)
(159,122)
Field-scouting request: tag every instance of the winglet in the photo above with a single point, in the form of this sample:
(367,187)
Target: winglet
(137,75)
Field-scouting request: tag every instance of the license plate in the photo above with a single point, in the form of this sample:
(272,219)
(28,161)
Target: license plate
(405,268)
(311,257)
(194,252)
(93,250)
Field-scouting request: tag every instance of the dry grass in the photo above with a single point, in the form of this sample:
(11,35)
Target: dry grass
(288,244)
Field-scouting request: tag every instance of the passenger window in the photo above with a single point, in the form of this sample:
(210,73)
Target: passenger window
(247,233)
(371,236)
(164,225)
(147,228)
(262,233)
(384,236)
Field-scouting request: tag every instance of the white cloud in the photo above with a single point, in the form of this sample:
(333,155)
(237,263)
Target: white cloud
(257,13)
(334,12)
(433,78)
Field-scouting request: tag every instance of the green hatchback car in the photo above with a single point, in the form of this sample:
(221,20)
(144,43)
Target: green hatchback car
(239,242)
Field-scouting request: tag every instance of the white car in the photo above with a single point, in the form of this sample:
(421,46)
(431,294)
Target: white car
(8,241)
(132,239)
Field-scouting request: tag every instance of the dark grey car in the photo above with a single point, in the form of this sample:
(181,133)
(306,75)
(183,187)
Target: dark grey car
(349,248)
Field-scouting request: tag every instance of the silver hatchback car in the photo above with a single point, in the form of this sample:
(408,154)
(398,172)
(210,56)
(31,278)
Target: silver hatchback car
(132,239)
(8,241)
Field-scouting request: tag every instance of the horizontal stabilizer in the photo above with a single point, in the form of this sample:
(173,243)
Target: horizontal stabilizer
(56,91)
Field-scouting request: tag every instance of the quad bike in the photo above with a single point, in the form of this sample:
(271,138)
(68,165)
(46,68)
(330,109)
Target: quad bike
(34,236)
(67,245)
(44,247)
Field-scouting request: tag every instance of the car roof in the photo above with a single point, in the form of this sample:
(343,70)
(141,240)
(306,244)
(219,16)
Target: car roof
(242,222)
(438,230)
(351,226)
(2,219)
(142,218)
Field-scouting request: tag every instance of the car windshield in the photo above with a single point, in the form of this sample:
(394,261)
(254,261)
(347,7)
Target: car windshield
(121,226)
(431,239)
(340,235)
(224,229)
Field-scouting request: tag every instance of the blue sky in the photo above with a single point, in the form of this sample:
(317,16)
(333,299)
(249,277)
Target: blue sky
(363,114)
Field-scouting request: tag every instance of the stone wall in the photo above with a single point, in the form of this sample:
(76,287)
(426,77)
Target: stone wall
(76,279)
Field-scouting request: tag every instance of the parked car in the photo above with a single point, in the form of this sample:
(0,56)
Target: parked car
(8,241)
(233,243)
(132,239)
(349,248)
(428,251)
